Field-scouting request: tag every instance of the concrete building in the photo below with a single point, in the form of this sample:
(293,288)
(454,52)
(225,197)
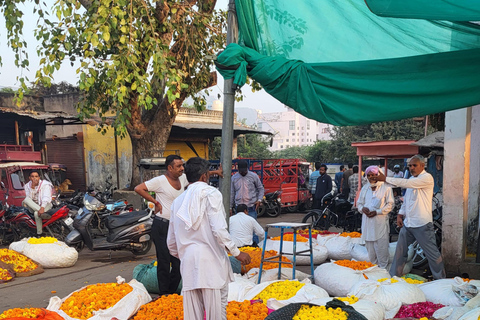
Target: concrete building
(291,129)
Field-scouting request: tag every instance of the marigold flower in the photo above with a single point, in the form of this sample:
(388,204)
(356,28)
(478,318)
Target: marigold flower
(29,313)
(246,310)
(289,237)
(101,296)
(42,240)
(19,262)
(281,290)
(320,313)
(351,234)
(355,265)
(256,257)
(165,307)
(5,275)
(350,299)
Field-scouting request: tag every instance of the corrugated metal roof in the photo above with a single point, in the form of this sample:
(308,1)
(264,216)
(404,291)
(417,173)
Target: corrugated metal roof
(21,164)
(218,126)
(38,114)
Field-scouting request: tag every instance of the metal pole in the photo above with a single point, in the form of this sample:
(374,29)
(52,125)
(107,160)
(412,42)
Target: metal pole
(228,114)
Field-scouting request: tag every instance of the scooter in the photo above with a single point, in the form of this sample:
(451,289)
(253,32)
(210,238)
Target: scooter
(128,231)
(271,204)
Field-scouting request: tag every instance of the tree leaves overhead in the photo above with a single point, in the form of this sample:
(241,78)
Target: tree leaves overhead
(134,54)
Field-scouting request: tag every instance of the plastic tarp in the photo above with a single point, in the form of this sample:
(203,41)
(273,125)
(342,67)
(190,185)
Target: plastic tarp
(338,63)
(455,10)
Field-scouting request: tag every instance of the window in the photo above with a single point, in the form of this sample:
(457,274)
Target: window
(286,140)
(308,124)
(308,134)
(281,146)
(260,126)
(302,140)
(302,133)
(293,133)
(298,128)
(325,130)
(303,128)
(291,125)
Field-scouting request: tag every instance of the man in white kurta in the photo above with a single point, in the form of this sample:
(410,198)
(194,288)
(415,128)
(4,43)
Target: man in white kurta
(198,236)
(374,203)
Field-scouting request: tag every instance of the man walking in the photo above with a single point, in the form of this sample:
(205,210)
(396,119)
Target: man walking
(415,218)
(344,188)
(38,198)
(313,178)
(339,176)
(246,189)
(167,188)
(324,186)
(198,236)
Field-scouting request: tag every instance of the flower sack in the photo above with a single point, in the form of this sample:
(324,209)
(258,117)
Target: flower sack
(291,310)
(449,292)
(50,255)
(6,273)
(369,309)
(339,247)
(21,264)
(320,253)
(147,275)
(123,309)
(339,280)
(30,313)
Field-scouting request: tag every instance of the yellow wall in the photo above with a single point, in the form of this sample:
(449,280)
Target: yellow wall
(185,151)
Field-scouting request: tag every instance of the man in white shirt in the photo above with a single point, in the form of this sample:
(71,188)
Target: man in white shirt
(167,188)
(242,226)
(415,218)
(38,198)
(198,236)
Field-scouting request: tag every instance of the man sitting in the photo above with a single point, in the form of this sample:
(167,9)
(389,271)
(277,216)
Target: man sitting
(242,226)
(38,198)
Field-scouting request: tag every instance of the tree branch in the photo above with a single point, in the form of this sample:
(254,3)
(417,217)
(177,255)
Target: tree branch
(86,3)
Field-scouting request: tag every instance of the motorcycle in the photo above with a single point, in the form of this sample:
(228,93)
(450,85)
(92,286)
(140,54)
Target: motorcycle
(128,231)
(271,204)
(21,222)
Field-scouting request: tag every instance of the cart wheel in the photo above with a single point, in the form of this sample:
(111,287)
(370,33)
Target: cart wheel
(307,205)
(261,209)
(292,209)
(275,211)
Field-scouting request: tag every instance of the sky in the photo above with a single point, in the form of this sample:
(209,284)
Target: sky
(8,72)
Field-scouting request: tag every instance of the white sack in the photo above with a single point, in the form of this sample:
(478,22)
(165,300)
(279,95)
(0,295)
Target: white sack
(471,315)
(239,288)
(391,251)
(443,291)
(322,239)
(48,255)
(123,309)
(391,295)
(338,280)
(406,269)
(359,252)
(272,274)
(371,310)
(455,313)
(320,253)
(306,294)
(339,247)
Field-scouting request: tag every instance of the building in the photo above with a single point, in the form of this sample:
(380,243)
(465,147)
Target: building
(291,129)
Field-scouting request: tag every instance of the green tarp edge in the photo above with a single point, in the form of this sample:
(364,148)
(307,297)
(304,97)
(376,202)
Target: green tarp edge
(453,10)
(361,92)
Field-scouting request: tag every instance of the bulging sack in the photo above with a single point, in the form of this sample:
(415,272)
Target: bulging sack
(320,253)
(339,247)
(449,292)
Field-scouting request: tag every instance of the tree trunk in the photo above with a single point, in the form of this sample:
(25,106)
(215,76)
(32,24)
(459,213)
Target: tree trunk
(152,142)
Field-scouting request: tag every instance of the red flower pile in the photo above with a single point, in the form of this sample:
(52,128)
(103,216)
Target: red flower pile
(418,310)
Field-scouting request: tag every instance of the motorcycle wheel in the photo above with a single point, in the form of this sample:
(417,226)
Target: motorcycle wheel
(311,218)
(419,257)
(261,210)
(21,231)
(292,209)
(307,205)
(275,211)
(146,246)
(59,230)
(79,246)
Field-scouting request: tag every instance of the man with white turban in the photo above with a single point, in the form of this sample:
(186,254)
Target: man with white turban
(198,236)
(374,203)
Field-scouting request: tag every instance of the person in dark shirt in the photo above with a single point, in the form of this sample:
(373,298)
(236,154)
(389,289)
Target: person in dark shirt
(345,188)
(339,176)
(324,186)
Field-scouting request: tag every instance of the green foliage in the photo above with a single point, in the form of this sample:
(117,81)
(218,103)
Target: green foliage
(134,54)
(302,152)
(251,145)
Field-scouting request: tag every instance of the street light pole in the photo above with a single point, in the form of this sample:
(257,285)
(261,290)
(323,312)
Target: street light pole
(228,114)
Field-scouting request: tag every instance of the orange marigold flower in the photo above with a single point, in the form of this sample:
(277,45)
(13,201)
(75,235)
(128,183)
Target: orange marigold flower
(351,234)
(256,257)
(289,237)
(29,313)
(19,262)
(246,310)
(165,307)
(355,265)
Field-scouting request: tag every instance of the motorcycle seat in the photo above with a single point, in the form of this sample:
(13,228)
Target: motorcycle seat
(113,222)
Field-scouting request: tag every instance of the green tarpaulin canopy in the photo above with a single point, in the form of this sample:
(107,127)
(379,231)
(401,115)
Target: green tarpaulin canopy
(337,62)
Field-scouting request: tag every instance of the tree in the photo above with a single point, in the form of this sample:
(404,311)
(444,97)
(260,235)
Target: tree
(301,152)
(252,145)
(139,60)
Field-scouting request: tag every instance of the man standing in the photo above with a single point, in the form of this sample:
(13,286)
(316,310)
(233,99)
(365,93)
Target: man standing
(339,176)
(313,178)
(38,198)
(242,226)
(167,188)
(246,188)
(324,186)
(198,236)
(415,218)
(344,188)
(396,171)
(353,184)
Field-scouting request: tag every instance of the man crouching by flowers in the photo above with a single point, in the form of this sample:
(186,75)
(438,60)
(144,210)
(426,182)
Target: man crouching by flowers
(374,203)
(198,236)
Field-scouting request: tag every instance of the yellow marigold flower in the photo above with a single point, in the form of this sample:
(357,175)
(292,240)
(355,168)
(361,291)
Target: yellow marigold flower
(350,299)
(281,290)
(320,313)
(19,262)
(42,240)
(29,313)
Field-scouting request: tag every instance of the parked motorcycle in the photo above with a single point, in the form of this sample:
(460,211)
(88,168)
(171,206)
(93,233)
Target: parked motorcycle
(129,231)
(271,204)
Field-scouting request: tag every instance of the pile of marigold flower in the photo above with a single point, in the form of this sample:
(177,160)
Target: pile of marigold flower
(418,310)
(19,262)
(355,265)
(408,280)
(281,290)
(320,313)
(42,240)
(351,234)
(166,307)
(256,257)
(29,313)
(350,299)
(289,237)
(5,275)
(246,310)
(101,296)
